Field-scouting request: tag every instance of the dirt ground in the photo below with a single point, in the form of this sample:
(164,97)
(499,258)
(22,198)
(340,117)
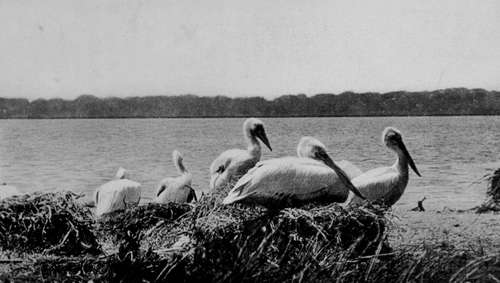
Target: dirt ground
(462,229)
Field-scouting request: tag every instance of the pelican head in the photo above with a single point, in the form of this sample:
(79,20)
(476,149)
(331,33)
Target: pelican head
(310,147)
(393,139)
(255,128)
(121,173)
(177,159)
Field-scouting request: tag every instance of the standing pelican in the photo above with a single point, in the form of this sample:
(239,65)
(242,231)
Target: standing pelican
(293,181)
(234,163)
(176,189)
(8,191)
(387,184)
(117,194)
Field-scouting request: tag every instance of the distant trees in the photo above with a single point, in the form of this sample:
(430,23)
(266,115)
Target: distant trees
(455,101)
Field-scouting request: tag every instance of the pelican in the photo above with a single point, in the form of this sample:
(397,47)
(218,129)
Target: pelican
(293,181)
(117,194)
(304,150)
(387,184)
(234,163)
(176,189)
(8,191)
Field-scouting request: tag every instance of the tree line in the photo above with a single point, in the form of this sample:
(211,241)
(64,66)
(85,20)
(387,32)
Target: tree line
(453,101)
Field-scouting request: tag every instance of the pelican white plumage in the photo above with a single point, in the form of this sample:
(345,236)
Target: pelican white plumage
(117,194)
(293,181)
(8,191)
(234,163)
(387,184)
(304,150)
(176,189)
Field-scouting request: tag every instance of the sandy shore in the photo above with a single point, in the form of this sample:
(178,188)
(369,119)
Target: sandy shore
(462,229)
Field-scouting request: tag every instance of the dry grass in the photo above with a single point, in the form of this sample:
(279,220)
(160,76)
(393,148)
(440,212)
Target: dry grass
(493,193)
(209,242)
(47,222)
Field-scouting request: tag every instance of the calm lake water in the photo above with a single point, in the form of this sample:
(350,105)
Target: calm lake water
(452,153)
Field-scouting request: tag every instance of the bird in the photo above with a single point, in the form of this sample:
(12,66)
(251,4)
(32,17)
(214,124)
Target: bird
(304,150)
(294,181)
(176,189)
(8,191)
(118,194)
(387,184)
(230,165)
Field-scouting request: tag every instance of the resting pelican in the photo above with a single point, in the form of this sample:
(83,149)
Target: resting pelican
(293,181)
(8,191)
(117,194)
(234,163)
(176,189)
(387,184)
(304,150)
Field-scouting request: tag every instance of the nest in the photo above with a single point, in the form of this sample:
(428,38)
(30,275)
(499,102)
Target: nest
(210,242)
(135,221)
(47,222)
(235,243)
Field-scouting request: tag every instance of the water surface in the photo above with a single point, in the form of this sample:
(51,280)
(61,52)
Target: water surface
(451,152)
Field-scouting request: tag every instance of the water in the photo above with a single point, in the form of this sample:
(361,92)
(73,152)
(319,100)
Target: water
(450,152)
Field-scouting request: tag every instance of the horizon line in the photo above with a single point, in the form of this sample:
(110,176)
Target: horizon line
(247,96)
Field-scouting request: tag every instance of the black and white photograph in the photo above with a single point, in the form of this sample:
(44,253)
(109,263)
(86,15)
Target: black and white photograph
(249,141)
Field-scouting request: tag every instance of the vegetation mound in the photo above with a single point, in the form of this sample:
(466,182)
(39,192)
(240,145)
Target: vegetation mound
(216,243)
(47,222)
(135,221)
(493,192)
(210,242)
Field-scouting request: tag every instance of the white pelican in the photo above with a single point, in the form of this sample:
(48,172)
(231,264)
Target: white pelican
(304,150)
(387,184)
(8,191)
(117,194)
(234,163)
(176,189)
(293,181)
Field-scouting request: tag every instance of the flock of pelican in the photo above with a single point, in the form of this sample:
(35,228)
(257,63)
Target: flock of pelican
(290,181)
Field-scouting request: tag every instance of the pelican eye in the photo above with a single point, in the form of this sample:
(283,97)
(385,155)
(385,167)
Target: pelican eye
(220,169)
(320,154)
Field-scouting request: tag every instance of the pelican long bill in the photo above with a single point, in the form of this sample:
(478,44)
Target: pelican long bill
(410,159)
(261,134)
(342,175)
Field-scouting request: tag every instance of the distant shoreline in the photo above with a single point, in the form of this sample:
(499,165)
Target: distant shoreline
(447,102)
(236,117)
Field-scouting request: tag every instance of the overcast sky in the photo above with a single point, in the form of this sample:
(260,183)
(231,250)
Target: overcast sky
(64,48)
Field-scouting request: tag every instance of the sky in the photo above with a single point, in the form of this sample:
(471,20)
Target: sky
(65,48)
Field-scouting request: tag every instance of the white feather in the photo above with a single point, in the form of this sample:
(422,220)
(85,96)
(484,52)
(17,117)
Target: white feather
(385,184)
(288,181)
(236,162)
(8,191)
(176,189)
(116,195)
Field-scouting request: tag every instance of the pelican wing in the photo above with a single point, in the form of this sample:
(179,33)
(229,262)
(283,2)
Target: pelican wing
(287,179)
(377,184)
(8,191)
(117,195)
(229,166)
(174,189)
(351,170)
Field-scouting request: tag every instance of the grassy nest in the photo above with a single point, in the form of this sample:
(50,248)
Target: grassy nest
(215,243)
(136,221)
(47,222)
(209,242)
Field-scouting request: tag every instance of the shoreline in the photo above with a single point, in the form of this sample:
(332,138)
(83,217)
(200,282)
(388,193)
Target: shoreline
(249,116)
